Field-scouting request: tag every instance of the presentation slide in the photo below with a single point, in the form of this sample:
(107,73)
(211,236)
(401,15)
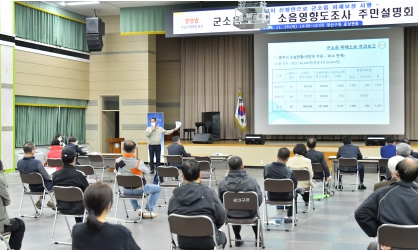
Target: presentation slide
(345,82)
(345,79)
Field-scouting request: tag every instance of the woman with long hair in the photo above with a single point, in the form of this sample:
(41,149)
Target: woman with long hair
(96,233)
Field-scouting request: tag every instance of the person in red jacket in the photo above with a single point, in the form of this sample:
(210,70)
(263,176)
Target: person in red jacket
(55,151)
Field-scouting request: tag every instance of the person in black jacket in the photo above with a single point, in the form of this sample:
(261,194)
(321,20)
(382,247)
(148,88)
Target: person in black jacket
(394,204)
(238,180)
(177,149)
(195,199)
(96,233)
(73,143)
(279,170)
(69,176)
(317,157)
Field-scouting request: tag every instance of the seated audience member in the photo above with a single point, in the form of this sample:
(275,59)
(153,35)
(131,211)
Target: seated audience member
(298,162)
(389,150)
(55,151)
(279,170)
(237,180)
(394,204)
(195,199)
(177,149)
(393,161)
(129,165)
(351,151)
(69,176)
(406,140)
(96,233)
(317,157)
(59,138)
(73,143)
(29,165)
(15,226)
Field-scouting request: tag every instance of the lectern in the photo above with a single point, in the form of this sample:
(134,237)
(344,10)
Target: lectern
(115,145)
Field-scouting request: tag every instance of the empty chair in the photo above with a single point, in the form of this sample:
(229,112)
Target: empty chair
(398,236)
(382,168)
(279,186)
(33,178)
(168,172)
(55,162)
(352,165)
(191,226)
(67,194)
(303,175)
(208,159)
(87,170)
(130,181)
(2,172)
(206,170)
(83,160)
(97,162)
(243,201)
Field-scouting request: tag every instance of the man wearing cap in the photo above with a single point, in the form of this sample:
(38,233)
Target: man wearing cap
(69,176)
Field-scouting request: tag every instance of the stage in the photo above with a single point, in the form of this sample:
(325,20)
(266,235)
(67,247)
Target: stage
(260,155)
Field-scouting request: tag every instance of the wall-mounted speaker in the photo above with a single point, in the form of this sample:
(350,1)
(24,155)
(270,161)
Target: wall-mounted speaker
(95,25)
(94,42)
(203,138)
(254,139)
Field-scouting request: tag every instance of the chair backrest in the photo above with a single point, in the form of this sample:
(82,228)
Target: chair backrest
(83,160)
(55,162)
(347,162)
(68,194)
(279,186)
(203,158)
(191,226)
(398,236)
(383,163)
(302,174)
(241,200)
(317,168)
(167,171)
(129,181)
(204,165)
(32,178)
(86,169)
(174,159)
(96,160)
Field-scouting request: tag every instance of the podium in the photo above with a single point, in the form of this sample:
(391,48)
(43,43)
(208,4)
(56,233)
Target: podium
(115,145)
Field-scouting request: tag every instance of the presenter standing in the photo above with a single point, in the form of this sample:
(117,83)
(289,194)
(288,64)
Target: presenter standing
(154,133)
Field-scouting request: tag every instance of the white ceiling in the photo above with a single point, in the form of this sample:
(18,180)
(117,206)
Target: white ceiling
(111,8)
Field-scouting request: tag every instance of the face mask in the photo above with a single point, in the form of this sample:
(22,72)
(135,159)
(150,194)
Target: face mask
(60,139)
(76,143)
(153,124)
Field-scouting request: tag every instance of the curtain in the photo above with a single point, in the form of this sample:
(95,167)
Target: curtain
(147,20)
(36,124)
(72,122)
(44,27)
(411,82)
(212,71)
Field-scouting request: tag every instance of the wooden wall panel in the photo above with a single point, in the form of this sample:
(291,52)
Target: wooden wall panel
(48,76)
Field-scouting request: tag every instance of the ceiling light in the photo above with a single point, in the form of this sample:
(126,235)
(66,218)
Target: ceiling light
(82,3)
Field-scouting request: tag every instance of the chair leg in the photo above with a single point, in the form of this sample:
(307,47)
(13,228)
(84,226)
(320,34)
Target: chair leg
(110,178)
(53,226)
(312,199)
(102,174)
(117,203)
(229,233)
(262,234)
(126,210)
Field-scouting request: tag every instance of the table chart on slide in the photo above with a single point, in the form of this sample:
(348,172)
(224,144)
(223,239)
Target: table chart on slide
(332,89)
